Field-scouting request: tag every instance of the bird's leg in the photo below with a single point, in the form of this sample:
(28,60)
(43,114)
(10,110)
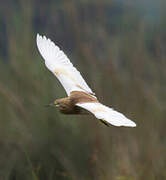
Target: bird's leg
(104,122)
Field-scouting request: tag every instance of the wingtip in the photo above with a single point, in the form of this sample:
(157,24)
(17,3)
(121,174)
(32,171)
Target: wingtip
(37,37)
(40,37)
(134,125)
(131,124)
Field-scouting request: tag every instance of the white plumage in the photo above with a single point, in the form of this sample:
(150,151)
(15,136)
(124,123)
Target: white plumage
(71,79)
(57,62)
(107,114)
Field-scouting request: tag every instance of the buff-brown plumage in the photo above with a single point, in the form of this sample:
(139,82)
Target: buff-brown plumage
(68,105)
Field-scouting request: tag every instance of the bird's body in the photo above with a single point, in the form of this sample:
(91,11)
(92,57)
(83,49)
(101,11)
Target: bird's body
(68,105)
(81,99)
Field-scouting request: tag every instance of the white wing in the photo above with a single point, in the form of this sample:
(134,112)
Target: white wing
(107,114)
(57,62)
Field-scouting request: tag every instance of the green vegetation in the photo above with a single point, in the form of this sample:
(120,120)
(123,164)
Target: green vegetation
(120,50)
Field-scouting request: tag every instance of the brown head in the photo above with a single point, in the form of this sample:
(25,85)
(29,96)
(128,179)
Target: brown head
(63,104)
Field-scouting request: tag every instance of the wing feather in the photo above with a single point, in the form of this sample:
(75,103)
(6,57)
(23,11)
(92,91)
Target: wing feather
(107,114)
(59,64)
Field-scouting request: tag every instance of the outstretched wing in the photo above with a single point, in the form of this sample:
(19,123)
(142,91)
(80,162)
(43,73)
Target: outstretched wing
(57,62)
(106,114)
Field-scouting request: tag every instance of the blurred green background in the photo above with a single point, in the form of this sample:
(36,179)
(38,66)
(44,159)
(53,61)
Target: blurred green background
(120,49)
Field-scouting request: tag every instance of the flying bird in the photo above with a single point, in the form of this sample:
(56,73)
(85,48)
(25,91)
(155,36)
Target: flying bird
(81,99)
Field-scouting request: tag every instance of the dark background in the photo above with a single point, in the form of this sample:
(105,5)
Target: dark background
(120,49)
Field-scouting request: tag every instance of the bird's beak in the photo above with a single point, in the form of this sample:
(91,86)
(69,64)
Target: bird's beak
(52,104)
(48,105)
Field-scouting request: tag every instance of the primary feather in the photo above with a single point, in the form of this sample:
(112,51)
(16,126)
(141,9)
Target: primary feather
(107,114)
(57,62)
